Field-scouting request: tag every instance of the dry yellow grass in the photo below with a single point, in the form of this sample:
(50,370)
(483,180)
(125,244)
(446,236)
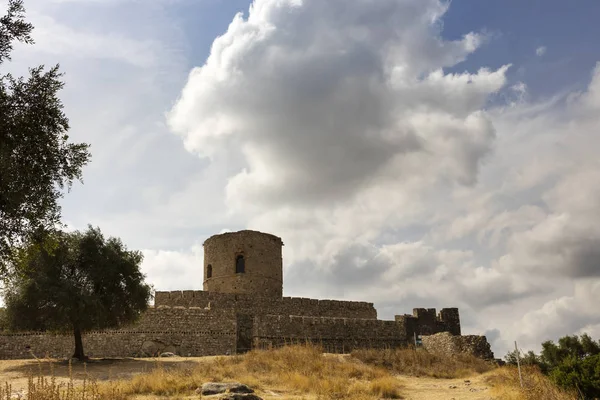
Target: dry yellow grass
(505,385)
(41,387)
(422,363)
(295,369)
(386,387)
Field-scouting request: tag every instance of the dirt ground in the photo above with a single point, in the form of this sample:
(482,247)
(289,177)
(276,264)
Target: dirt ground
(473,388)
(15,372)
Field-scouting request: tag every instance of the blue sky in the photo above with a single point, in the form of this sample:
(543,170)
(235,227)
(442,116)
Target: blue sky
(400,163)
(566,29)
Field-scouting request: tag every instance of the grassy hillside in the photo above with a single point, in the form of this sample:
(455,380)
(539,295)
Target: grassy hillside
(295,372)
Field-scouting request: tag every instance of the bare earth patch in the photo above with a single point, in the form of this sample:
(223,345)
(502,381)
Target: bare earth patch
(422,388)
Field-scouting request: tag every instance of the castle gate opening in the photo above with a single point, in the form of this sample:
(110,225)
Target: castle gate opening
(244,333)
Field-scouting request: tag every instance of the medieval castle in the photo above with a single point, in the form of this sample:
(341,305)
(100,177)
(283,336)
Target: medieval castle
(242,307)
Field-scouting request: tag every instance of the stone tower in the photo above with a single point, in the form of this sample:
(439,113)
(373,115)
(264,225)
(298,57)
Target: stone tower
(245,262)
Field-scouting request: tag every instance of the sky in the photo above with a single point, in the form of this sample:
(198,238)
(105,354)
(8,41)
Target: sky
(410,153)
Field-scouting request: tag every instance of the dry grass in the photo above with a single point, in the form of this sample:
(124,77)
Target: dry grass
(422,363)
(40,387)
(505,385)
(299,369)
(386,387)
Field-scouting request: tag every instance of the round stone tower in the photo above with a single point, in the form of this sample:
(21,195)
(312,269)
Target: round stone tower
(245,262)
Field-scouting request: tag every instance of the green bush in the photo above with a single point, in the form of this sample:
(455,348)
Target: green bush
(581,374)
(573,363)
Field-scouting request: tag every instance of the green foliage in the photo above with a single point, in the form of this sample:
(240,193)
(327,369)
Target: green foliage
(582,374)
(572,363)
(75,282)
(13,27)
(36,160)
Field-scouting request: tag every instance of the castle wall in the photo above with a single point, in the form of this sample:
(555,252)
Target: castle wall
(254,305)
(336,335)
(186,332)
(424,321)
(262,255)
(195,331)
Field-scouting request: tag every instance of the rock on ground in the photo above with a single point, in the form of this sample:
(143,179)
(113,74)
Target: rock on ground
(210,388)
(240,396)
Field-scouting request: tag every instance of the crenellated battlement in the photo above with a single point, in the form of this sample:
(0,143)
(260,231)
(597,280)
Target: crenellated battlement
(425,321)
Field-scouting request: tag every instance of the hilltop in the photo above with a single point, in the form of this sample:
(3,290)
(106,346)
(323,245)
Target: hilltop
(292,372)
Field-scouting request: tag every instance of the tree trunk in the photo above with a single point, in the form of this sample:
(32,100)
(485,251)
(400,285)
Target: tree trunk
(78,345)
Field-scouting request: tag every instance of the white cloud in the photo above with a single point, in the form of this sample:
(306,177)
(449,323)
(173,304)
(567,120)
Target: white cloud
(558,317)
(336,112)
(175,270)
(565,242)
(540,51)
(338,117)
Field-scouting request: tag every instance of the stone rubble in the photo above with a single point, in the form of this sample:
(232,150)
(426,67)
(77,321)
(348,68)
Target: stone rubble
(445,343)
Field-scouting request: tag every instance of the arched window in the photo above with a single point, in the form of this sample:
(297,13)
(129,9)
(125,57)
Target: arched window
(209,271)
(240,264)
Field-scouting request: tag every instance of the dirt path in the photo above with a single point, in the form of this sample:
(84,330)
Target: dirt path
(473,388)
(16,372)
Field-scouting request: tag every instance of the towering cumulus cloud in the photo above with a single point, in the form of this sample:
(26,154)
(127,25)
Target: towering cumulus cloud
(323,98)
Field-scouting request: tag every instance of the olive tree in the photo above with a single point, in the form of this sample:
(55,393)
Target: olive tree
(75,282)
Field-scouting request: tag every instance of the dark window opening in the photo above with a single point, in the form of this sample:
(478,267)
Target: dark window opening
(209,271)
(240,265)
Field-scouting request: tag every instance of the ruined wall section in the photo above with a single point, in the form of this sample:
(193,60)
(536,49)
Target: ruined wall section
(255,305)
(185,332)
(447,344)
(424,321)
(336,335)
(262,254)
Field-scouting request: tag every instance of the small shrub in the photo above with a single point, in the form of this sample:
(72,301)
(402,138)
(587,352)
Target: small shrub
(386,387)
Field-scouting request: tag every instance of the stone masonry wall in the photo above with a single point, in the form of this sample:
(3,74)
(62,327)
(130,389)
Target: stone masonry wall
(336,335)
(445,343)
(255,305)
(186,332)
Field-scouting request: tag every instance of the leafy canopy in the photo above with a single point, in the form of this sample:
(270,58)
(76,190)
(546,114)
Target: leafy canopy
(75,282)
(36,160)
(572,363)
